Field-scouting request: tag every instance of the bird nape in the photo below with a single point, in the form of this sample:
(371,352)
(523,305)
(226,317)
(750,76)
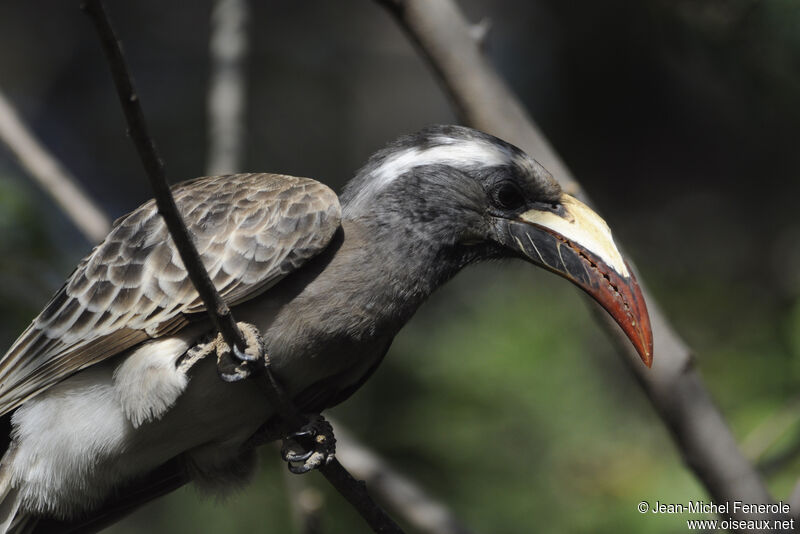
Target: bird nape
(113,394)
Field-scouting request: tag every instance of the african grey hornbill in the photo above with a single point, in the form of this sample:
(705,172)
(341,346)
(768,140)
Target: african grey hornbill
(111,396)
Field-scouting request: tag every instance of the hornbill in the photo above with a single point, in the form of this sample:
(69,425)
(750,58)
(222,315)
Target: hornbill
(113,395)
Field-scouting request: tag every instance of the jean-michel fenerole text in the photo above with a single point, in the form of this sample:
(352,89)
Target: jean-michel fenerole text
(723,508)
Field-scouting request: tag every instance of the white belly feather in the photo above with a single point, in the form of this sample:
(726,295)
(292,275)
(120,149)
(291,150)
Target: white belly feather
(78,440)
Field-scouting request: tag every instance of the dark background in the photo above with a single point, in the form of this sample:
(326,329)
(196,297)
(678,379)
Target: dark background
(680,118)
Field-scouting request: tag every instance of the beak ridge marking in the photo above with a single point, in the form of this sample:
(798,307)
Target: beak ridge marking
(558,249)
(536,249)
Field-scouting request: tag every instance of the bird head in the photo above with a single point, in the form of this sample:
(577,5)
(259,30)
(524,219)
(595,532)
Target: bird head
(485,198)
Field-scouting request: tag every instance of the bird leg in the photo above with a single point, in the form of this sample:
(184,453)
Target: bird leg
(306,449)
(310,447)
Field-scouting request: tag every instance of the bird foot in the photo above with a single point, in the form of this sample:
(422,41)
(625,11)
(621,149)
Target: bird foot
(310,447)
(235,365)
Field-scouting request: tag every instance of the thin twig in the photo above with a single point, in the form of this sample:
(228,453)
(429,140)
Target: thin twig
(355,492)
(482,99)
(352,490)
(154,168)
(51,176)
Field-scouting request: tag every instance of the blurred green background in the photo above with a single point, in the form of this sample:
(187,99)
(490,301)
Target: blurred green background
(502,397)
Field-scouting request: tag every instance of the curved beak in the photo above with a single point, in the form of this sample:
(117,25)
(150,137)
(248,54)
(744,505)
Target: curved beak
(573,241)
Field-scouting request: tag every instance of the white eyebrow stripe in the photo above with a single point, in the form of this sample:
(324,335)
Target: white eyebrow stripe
(461,154)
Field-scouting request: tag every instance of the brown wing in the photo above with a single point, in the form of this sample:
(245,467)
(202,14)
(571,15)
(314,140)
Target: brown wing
(250,230)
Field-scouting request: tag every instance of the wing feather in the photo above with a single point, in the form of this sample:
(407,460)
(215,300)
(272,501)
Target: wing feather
(251,230)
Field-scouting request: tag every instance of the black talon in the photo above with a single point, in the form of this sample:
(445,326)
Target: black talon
(302,434)
(301,469)
(317,442)
(303,439)
(231,370)
(244,357)
(291,456)
(237,376)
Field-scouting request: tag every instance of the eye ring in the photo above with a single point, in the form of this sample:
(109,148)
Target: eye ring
(508,196)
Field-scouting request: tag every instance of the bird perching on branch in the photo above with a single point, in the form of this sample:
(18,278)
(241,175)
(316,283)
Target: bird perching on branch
(113,395)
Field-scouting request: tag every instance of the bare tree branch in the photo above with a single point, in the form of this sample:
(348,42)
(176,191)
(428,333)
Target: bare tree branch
(482,99)
(51,176)
(400,493)
(218,311)
(227,91)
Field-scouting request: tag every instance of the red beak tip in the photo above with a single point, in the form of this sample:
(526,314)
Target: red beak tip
(645,345)
(643,338)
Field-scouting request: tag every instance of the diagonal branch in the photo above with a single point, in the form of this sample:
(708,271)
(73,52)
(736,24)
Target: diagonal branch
(51,176)
(351,489)
(442,35)
(154,168)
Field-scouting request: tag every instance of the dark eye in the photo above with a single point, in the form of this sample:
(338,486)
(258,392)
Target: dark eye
(508,196)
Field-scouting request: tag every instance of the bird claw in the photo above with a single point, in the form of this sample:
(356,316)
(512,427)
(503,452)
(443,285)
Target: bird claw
(310,447)
(292,457)
(254,351)
(235,365)
(231,370)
